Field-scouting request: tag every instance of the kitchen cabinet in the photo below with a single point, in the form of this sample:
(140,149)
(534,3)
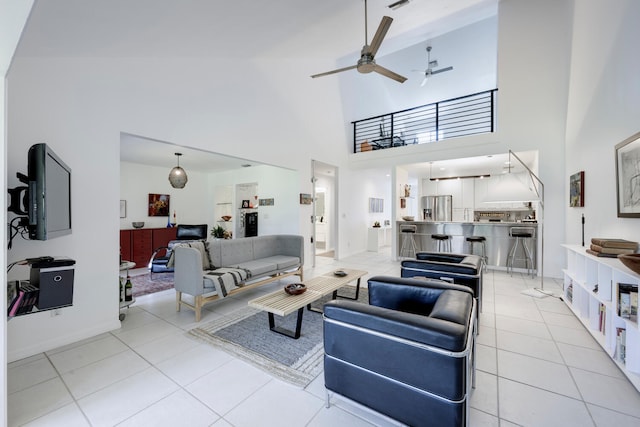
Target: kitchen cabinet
(462,190)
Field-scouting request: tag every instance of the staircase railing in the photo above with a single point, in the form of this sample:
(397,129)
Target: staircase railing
(452,118)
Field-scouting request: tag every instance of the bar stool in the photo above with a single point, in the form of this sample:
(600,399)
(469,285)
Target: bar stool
(481,241)
(523,236)
(408,247)
(443,242)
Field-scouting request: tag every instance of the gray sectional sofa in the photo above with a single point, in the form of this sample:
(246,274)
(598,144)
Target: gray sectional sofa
(250,262)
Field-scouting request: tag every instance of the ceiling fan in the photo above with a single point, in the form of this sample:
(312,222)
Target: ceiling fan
(367,63)
(430,67)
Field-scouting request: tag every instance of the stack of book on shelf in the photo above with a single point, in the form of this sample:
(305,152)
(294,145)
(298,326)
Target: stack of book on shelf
(611,248)
(24,297)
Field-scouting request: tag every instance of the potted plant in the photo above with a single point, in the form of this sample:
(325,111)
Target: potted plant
(217,232)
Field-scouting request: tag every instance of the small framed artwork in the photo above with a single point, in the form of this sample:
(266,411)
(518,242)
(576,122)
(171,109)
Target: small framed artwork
(576,190)
(158,204)
(403,203)
(305,199)
(265,202)
(628,177)
(246,204)
(376,205)
(123,208)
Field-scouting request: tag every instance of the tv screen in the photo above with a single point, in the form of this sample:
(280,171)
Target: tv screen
(49,194)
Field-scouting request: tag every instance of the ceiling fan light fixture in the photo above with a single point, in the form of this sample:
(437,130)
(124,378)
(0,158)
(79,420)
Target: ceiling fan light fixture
(177,175)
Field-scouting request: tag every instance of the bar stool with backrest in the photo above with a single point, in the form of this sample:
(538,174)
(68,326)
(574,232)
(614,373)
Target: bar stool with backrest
(443,242)
(408,248)
(481,241)
(523,236)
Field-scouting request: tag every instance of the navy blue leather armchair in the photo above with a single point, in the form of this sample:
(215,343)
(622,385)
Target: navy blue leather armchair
(409,354)
(184,233)
(461,269)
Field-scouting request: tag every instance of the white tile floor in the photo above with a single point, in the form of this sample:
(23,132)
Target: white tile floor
(537,366)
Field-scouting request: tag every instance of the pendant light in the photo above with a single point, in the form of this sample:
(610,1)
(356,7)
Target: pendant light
(177,176)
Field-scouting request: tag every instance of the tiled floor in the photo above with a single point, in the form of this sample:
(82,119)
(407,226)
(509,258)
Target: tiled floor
(537,366)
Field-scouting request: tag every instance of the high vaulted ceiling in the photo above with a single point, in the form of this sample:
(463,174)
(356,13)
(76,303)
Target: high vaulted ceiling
(234,28)
(243,29)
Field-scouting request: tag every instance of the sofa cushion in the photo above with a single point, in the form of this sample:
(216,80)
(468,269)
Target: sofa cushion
(235,251)
(256,267)
(282,261)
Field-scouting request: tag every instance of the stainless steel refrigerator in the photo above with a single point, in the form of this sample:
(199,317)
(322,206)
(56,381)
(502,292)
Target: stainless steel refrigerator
(437,208)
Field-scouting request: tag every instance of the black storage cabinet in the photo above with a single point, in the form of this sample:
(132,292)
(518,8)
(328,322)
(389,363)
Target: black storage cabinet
(54,279)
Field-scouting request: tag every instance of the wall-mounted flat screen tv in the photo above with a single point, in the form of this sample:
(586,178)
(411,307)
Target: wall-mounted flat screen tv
(49,194)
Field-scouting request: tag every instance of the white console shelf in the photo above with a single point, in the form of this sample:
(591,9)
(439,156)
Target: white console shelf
(584,271)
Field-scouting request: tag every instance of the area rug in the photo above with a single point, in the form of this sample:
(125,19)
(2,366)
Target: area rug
(246,334)
(145,284)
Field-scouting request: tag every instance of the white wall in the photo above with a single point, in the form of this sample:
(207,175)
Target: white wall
(275,183)
(192,204)
(13,16)
(604,107)
(81,106)
(533,62)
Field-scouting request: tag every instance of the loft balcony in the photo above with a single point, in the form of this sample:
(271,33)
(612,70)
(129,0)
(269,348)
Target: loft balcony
(426,124)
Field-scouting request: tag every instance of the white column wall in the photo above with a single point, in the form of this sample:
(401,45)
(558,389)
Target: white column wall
(604,107)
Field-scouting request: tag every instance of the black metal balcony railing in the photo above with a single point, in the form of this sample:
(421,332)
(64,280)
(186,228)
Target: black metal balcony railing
(463,116)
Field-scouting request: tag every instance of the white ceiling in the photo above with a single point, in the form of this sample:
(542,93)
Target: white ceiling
(330,29)
(493,165)
(151,152)
(237,28)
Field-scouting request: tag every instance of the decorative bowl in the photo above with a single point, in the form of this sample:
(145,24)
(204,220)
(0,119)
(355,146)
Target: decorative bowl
(408,218)
(632,261)
(295,288)
(138,224)
(226,217)
(340,273)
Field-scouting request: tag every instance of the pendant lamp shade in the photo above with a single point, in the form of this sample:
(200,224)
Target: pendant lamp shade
(177,176)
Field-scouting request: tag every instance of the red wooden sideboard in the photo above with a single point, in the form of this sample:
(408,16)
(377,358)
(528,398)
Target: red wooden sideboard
(137,245)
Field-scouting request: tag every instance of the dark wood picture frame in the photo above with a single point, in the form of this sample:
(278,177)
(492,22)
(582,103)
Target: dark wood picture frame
(576,190)
(628,177)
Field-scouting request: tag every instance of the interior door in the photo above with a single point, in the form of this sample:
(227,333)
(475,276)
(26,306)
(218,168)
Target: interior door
(325,210)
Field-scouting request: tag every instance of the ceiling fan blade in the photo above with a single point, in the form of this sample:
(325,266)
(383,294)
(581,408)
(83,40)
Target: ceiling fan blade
(380,33)
(442,70)
(424,81)
(388,73)
(334,71)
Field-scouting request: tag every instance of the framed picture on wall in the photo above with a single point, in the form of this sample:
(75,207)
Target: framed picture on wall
(628,177)
(158,205)
(305,199)
(576,189)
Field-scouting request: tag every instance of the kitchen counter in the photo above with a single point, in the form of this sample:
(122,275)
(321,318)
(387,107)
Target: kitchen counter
(498,241)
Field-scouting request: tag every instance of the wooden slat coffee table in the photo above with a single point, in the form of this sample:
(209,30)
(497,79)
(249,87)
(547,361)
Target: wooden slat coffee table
(283,304)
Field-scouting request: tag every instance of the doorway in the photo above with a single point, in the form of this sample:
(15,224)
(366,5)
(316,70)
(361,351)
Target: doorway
(325,208)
